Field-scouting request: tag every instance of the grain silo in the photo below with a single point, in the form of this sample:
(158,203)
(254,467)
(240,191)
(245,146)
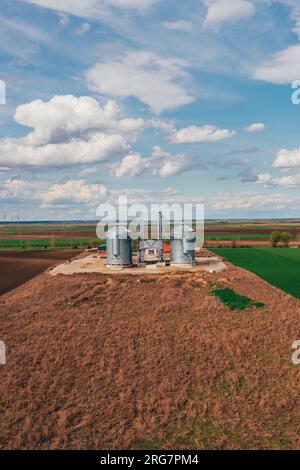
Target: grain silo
(118,246)
(183,244)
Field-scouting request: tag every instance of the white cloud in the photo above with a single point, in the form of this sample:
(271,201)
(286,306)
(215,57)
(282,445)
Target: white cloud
(177,165)
(194,134)
(251,200)
(131,165)
(295,12)
(88,171)
(145,76)
(159,163)
(98,147)
(17,189)
(265,179)
(66,116)
(282,68)
(179,25)
(227,11)
(154,196)
(91,8)
(80,193)
(63,19)
(287,158)
(164,126)
(73,192)
(288,181)
(83,28)
(68,130)
(255,127)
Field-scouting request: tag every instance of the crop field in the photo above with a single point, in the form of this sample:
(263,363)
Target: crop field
(278,266)
(45,243)
(17,267)
(235,236)
(74,235)
(41,229)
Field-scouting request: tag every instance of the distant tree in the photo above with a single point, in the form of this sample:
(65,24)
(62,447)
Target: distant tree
(286,237)
(275,238)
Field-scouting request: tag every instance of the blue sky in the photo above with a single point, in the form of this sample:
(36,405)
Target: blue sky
(161,100)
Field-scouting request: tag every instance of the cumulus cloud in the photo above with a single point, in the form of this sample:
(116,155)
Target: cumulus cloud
(227,11)
(75,192)
(79,193)
(255,127)
(282,68)
(287,181)
(67,116)
(179,25)
(98,147)
(264,179)
(17,189)
(83,28)
(131,165)
(145,76)
(159,163)
(91,8)
(164,126)
(287,158)
(194,134)
(251,200)
(68,130)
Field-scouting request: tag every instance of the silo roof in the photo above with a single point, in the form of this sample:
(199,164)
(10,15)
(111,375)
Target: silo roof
(122,232)
(145,244)
(183,229)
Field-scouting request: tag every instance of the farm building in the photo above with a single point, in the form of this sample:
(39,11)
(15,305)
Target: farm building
(151,251)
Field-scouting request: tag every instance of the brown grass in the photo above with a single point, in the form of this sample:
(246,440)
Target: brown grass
(125,362)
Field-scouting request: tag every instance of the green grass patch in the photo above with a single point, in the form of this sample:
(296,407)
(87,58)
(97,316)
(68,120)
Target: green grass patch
(278,266)
(233,300)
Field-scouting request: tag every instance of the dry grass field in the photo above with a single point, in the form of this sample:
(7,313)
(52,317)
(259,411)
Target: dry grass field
(126,362)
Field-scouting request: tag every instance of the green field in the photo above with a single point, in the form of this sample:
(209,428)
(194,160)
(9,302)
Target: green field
(278,266)
(240,236)
(48,229)
(54,243)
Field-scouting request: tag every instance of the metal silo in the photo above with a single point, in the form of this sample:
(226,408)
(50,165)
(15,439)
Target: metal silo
(118,246)
(183,244)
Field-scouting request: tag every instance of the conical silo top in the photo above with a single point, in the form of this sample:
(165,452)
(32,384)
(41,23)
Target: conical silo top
(183,231)
(118,232)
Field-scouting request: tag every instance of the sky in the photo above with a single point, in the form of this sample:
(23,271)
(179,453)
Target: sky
(159,100)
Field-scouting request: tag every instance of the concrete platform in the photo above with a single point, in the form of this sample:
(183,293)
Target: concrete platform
(92,264)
